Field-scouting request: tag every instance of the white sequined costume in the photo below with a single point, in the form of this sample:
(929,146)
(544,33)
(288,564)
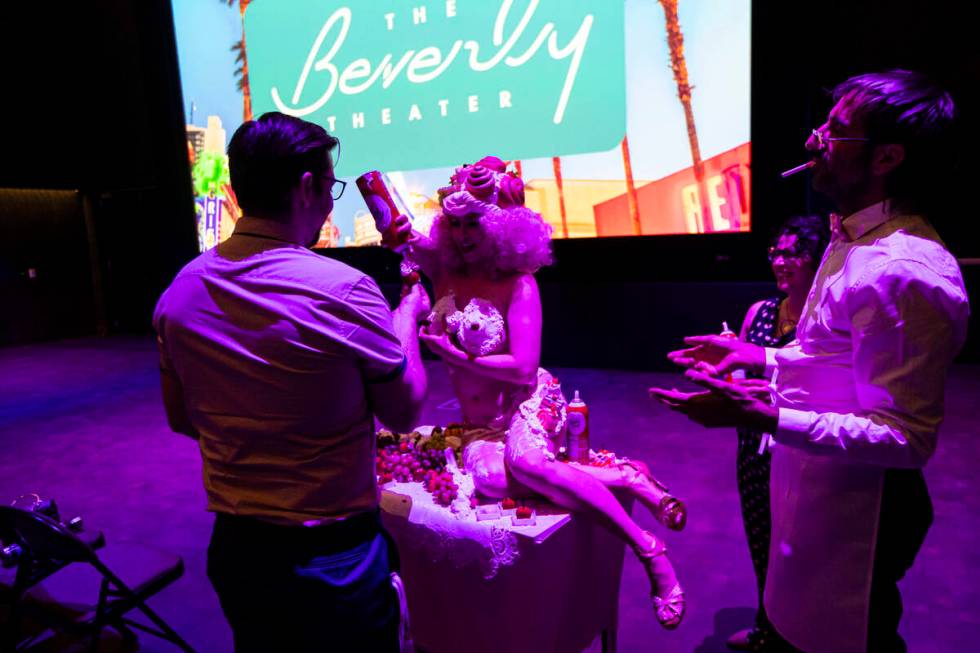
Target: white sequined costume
(536,425)
(539,421)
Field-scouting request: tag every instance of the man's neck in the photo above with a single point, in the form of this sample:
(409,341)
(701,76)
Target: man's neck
(851,205)
(285,230)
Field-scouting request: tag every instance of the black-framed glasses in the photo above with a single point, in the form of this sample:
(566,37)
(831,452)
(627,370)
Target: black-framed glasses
(334,193)
(335,160)
(823,141)
(789,253)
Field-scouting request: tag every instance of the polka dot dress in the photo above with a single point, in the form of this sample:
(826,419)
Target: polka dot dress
(753,482)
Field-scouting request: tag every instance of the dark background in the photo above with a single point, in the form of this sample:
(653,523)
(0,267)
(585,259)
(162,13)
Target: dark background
(92,103)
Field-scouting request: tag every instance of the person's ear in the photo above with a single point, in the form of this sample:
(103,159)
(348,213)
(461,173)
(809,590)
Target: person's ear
(307,192)
(887,157)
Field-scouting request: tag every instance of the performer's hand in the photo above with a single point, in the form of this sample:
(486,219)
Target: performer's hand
(398,233)
(717,355)
(440,345)
(415,302)
(721,404)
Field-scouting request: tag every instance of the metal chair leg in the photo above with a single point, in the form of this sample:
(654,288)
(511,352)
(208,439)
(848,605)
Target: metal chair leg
(99,622)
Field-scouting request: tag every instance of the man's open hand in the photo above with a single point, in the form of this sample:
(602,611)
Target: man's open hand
(721,404)
(717,355)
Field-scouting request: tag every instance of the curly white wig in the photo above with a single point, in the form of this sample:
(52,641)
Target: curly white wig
(520,238)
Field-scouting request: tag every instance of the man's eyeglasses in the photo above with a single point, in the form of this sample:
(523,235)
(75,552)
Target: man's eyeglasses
(791,253)
(334,184)
(823,141)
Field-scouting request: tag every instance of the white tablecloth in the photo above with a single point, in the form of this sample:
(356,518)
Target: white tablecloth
(492,587)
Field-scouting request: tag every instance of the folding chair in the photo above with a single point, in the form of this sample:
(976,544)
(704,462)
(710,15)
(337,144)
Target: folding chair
(47,546)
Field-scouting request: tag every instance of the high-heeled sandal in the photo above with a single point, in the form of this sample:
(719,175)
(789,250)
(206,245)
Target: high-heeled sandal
(671,512)
(669,609)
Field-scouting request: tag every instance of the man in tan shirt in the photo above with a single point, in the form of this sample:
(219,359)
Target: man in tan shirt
(277,360)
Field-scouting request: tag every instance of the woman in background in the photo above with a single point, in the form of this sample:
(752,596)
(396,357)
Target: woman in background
(794,255)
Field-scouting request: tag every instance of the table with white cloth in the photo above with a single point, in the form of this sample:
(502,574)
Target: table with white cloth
(489,586)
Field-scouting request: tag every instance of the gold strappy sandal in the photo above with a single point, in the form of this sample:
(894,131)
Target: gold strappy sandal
(671,512)
(670,608)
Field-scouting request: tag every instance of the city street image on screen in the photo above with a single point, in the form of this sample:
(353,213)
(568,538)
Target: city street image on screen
(623,118)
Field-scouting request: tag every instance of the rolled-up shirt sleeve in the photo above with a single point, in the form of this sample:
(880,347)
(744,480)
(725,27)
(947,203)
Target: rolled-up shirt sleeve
(908,323)
(159,325)
(770,362)
(373,340)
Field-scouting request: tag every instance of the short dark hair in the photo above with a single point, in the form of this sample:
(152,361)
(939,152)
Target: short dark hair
(907,108)
(267,157)
(812,235)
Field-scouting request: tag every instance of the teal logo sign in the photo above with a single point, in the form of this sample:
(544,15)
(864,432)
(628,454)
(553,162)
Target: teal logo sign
(409,84)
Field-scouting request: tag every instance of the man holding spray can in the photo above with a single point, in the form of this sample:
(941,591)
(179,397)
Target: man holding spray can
(277,360)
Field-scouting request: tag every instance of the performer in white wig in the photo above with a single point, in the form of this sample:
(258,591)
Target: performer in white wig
(484,249)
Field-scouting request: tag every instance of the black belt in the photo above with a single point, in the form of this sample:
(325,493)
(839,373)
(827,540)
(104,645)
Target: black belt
(325,539)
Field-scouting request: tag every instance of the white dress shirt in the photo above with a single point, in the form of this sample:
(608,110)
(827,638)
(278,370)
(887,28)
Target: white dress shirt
(859,391)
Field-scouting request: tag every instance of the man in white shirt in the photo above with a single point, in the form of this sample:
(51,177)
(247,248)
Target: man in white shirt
(277,360)
(856,402)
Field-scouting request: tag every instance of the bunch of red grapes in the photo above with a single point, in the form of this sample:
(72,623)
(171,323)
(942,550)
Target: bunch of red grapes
(404,462)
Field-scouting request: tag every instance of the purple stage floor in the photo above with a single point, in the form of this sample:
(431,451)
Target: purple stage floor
(81,421)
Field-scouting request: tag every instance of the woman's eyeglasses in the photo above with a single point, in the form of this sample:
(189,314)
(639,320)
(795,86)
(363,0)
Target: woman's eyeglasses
(790,253)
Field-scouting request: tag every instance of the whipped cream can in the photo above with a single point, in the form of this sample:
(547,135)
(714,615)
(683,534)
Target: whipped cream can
(382,199)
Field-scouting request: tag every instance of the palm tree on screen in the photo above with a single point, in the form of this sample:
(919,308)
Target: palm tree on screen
(678,64)
(556,164)
(241,58)
(631,199)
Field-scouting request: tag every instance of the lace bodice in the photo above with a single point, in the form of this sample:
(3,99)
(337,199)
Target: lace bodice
(478,328)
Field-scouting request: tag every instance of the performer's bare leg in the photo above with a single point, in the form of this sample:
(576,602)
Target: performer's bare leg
(635,477)
(577,490)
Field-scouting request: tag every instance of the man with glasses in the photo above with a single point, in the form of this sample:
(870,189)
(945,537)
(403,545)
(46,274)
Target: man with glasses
(276,360)
(857,399)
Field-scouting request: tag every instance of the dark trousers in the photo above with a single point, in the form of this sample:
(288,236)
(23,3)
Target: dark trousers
(299,589)
(906,515)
